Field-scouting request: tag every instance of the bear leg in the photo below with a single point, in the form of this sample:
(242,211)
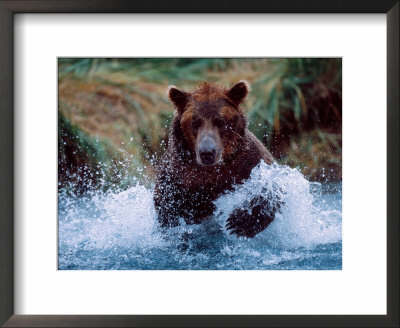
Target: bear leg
(254,218)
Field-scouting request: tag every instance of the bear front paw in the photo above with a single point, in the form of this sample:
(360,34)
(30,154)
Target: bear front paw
(249,222)
(241,223)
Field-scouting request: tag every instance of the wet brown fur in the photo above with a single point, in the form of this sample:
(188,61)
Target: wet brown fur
(184,188)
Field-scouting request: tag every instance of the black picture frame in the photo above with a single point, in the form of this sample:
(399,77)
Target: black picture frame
(11,7)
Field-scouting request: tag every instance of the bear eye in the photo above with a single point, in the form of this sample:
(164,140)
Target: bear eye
(196,123)
(219,122)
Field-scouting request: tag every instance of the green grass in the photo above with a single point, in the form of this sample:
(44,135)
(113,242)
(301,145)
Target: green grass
(87,163)
(288,97)
(115,113)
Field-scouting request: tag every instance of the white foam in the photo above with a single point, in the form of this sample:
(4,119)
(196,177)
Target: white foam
(121,219)
(120,229)
(300,222)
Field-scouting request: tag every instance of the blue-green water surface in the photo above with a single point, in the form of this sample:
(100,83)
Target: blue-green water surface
(119,230)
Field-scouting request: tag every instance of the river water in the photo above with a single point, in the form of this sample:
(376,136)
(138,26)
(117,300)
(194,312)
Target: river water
(119,230)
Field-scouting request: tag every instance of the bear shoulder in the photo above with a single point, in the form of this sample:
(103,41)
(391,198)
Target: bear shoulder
(254,142)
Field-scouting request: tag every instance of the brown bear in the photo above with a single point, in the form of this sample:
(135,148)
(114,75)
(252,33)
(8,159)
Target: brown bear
(210,150)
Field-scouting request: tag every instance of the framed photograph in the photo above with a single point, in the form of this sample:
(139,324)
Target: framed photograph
(211,164)
(222,200)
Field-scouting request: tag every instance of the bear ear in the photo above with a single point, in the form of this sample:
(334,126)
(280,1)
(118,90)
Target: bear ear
(238,92)
(178,97)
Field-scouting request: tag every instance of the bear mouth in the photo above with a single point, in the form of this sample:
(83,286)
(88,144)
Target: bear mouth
(208,158)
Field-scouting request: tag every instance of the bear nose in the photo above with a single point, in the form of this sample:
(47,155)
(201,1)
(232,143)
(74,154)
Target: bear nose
(207,151)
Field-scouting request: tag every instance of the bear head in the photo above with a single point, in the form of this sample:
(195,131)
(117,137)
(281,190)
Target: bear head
(210,120)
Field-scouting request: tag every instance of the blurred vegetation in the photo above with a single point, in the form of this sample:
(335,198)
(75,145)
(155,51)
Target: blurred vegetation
(114,114)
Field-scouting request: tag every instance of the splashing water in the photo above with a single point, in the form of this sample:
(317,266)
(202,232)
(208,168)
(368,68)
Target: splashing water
(119,230)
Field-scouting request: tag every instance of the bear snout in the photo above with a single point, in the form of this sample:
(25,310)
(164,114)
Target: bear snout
(207,151)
